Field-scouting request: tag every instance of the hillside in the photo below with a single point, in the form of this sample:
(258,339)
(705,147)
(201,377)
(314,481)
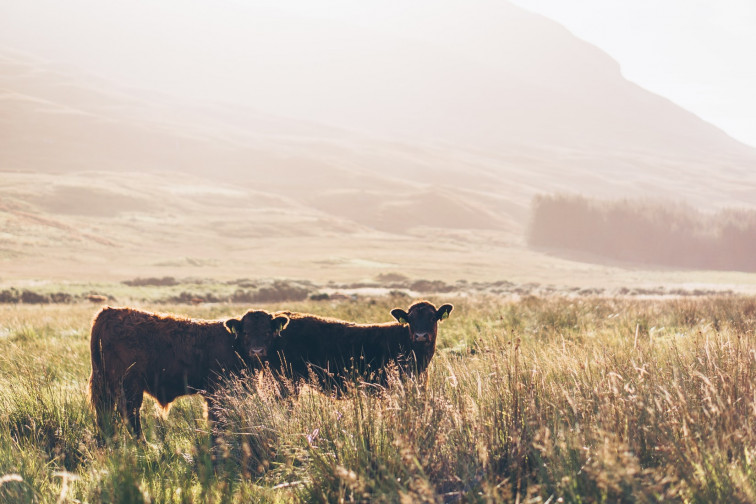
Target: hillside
(306,149)
(493,78)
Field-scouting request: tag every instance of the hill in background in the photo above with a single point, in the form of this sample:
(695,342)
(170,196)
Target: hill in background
(320,147)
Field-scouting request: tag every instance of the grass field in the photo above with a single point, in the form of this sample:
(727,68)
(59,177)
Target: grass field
(540,399)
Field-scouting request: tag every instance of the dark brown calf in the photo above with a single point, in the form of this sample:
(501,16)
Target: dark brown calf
(136,352)
(337,351)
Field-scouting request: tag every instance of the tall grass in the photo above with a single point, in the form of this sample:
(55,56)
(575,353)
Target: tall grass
(536,400)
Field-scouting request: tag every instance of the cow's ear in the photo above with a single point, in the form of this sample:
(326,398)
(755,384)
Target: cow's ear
(280,323)
(400,315)
(444,311)
(233,325)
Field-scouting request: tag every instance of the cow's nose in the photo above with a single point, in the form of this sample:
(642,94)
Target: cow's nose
(419,337)
(258,352)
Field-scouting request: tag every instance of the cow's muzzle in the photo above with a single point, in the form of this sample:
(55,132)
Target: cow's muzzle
(257,352)
(421,338)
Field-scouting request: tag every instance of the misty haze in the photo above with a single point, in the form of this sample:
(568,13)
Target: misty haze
(303,147)
(443,127)
(349,159)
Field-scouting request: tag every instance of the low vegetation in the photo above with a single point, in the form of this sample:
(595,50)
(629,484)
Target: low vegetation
(645,232)
(535,399)
(196,291)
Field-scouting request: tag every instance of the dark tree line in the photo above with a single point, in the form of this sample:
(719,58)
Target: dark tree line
(646,232)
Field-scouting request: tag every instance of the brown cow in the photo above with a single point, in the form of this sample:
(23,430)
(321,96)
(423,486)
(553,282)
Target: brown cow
(337,351)
(136,352)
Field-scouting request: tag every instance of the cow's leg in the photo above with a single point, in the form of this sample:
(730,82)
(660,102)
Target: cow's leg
(135,407)
(130,405)
(212,411)
(104,412)
(219,451)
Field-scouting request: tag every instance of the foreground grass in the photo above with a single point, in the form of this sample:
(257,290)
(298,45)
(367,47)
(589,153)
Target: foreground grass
(589,400)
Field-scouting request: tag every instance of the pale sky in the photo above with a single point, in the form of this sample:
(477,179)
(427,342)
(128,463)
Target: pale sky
(701,54)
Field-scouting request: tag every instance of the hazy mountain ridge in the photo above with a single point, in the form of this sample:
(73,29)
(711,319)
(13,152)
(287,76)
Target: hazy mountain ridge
(129,135)
(492,77)
(461,142)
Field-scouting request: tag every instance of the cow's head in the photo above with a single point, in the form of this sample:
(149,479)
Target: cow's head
(422,319)
(255,332)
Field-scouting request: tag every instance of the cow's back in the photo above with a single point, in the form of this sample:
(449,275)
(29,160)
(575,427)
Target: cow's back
(169,356)
(119,343)
(131,341)
(335,346)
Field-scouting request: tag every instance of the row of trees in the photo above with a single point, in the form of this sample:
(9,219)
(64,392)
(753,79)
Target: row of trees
(646,232)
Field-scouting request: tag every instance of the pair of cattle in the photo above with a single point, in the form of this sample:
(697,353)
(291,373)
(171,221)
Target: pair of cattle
(136,352)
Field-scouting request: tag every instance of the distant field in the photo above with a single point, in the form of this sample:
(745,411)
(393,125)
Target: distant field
(529,399)
(106,227)
(168,290)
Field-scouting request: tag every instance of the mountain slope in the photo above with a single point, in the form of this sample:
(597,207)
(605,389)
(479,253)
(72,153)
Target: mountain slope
(333,138)
(488,76)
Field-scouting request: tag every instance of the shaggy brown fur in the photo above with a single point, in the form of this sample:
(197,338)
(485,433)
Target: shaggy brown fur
(136,352)
(337,351)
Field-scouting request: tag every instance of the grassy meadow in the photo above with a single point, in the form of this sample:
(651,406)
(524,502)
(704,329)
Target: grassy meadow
(535,399)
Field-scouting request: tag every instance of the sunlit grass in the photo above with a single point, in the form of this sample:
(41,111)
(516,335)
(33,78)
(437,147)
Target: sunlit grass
(587,400)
